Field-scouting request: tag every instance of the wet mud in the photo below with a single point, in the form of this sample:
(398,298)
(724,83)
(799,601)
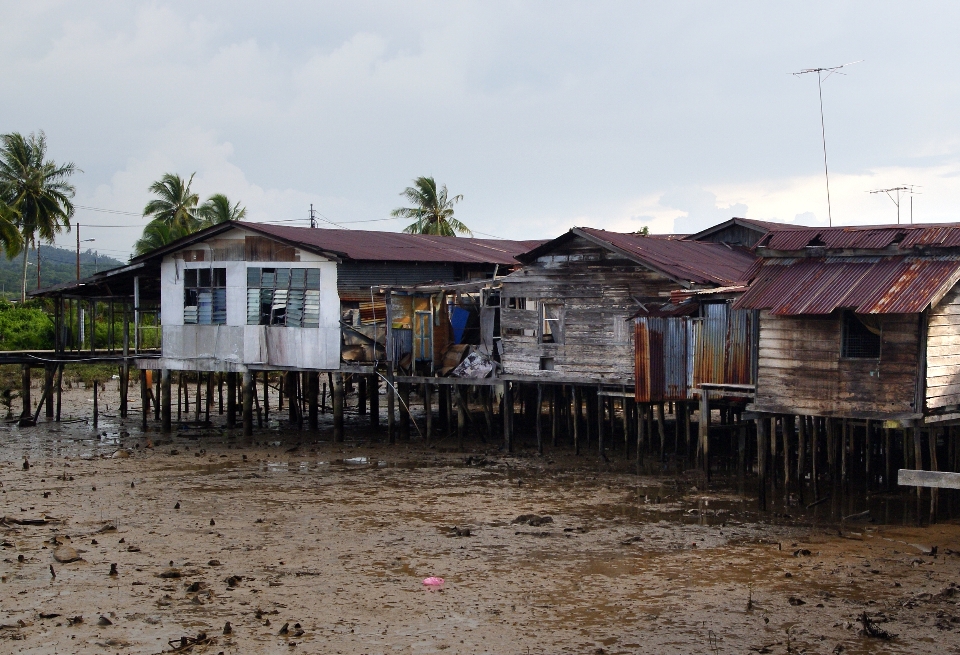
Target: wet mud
(304,545)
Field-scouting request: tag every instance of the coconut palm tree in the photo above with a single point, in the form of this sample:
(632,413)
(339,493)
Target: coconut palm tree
(157,233)
(38,191)
(432,210)
(217,209)
(175,204)
(10,239)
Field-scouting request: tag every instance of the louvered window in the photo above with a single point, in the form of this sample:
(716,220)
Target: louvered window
(283,296)
(205,296)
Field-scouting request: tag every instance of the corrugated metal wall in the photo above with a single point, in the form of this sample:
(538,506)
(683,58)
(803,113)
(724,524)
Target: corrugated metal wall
(675,354)
(664,359)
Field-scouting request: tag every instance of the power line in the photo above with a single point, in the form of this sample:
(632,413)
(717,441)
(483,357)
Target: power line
(109,211)
(823,133)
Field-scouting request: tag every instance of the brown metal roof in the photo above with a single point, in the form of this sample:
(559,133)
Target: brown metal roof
(689,261)
(867,285)
(396,246)
(868,237)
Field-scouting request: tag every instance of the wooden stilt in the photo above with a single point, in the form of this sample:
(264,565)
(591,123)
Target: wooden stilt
(48,389)
(266,397)
(831,425)
(886,459)
(428,411)
(362,395)
(868,455)
(688,428)
(789,427)
(459,396)
(404,389)
(338,403)
(600,426)
(60,390)
(763,435)
(802,456)
(626,427)
(373,399)
(577,402)
(815,458)
(231,400)
(165,425)
(96,404)
(208,397)
(844,440)
(144,399)
(537,415)
(247,403)
(391,404)
(27,412)
(641,432)
(932,438)
(220,393)
(488,411)
(313,401)
(554,411)
(180,397)
(661,430)
(507,413)
(197,407)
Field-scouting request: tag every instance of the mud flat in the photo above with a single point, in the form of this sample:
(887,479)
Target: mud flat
(307,546)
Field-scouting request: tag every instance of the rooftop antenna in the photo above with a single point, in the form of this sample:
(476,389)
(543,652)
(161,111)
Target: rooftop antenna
(895,194)
(823,134)
(313,216)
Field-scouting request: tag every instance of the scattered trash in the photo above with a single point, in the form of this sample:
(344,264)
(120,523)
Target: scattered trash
(433,581)
(104,621)
(65,554)
(170,573)
(871,629)
(534,520)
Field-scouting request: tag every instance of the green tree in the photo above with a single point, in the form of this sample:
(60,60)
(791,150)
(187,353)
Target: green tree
(10,239)
(37,190)
(157,233)
(432,210)
(175,204)
(217,209)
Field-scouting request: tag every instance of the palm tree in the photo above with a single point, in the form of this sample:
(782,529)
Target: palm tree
(157,233)
(10,239)
(217,209)
(38,191)
(175,205)
(432,211)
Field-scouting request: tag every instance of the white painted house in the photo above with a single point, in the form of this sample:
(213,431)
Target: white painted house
(238,300)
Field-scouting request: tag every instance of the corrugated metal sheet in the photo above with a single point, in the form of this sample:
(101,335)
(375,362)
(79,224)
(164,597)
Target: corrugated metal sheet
(874,237)
(723,345)
(675,354)
(694,261)
(887,285)
(663,359)
(396,246)
(360,276)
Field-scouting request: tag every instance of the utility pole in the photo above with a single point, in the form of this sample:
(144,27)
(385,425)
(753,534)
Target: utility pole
(78,251)
(823,133)
(38,265)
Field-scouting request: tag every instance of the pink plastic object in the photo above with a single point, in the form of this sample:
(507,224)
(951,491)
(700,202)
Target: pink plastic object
(433,582)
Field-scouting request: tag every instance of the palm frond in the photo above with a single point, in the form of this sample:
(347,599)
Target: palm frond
(432,209)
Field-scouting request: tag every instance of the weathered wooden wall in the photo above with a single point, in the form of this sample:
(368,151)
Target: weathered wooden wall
(596,292)
(943,352)
(801,372)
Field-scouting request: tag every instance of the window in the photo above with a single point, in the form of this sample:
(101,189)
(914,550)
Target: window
(551,331)
(516,303)
(205,296)
(283,296)
(860,337)
(547,364)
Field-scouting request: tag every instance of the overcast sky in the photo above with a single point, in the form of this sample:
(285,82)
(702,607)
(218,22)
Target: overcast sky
(544,115)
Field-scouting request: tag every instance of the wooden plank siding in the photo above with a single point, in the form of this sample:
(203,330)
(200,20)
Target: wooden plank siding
(801,372)
(597,294)
(943,353)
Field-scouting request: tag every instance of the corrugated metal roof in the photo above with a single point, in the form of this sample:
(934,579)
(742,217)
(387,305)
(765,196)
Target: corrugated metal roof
(867,237)
(692,261)
(396,246)
(881,285)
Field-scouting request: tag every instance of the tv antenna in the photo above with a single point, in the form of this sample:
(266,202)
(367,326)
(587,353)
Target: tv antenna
(823,134)
(313,216)
(896,194)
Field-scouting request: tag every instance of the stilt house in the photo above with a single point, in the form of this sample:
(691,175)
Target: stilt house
(859,323)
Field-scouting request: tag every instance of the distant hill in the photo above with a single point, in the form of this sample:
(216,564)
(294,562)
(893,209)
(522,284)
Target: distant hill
(56,265)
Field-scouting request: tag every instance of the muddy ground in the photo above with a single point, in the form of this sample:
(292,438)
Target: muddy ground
(305,546)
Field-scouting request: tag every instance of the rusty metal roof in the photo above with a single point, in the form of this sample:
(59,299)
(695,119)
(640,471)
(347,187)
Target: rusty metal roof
(867,285)
(396,246)
(688,262)
(901,238)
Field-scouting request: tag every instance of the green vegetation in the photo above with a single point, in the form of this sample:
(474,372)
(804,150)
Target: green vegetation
(25,326)
(56,265)
(432,210)
(176,213)
(36,194)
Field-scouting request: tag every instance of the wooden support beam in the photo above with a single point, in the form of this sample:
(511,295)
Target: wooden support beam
(231,400)
(538,414)
(144,399)
(763,435)
(165,425)
(705,432)
(507,413)
(577,402)
(27,411)
(362,395)
(391,404)
(248,390)
(373,399)
(338,403)
(313,401)
(930,479)
(428,412)
(48,389)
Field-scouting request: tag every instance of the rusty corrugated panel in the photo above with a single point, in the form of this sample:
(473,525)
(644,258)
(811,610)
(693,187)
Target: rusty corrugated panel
(888,285)
(790,239)
(738,368)
(723,342)
(693,261)
(661,359)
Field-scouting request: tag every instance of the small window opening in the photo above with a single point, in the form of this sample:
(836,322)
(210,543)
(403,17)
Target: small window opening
(516,303)
(205,296)
(550,328)
(546,364)
(861,336)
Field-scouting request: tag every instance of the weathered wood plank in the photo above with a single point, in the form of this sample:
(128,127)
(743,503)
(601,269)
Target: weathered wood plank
(936,479)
